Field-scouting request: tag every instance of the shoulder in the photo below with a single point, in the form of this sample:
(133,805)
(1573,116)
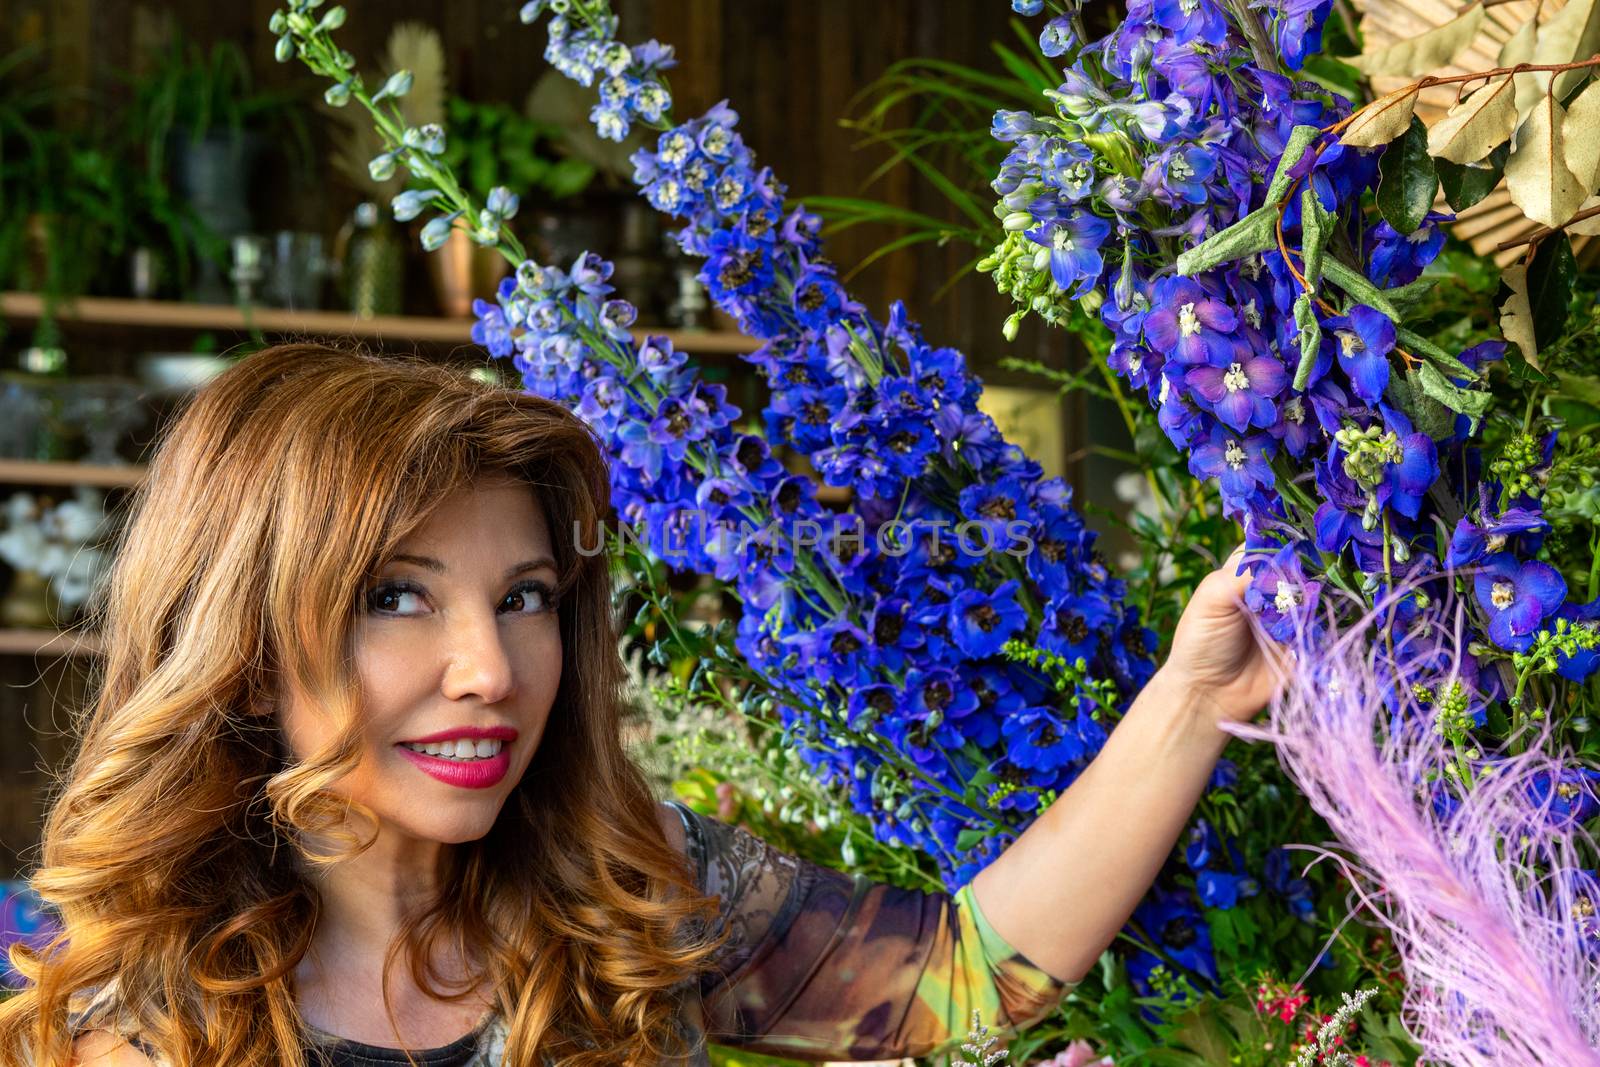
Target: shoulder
(101,1048)
(668,814)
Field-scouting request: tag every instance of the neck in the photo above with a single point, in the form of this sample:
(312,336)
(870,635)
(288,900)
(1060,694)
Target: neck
(367,899)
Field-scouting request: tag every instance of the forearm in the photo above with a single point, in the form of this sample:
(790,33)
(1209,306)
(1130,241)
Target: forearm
(1066,886)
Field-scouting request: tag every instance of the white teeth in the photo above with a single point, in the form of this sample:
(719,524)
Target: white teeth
(462,749)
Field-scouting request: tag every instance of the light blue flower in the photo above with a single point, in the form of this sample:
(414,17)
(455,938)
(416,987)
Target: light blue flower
(409,204)
(399,84)
(437,231)
(428,138)
(502,203)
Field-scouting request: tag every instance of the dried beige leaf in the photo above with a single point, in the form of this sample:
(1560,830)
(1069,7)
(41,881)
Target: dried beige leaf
(1426,52)
(1589,227)
(1519,49)
(1476,126)
(1580,134)
(1516,314)
(1537,174)
(1382,120)
(1571,34)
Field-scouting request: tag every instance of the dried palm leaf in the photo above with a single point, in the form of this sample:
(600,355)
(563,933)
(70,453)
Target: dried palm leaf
(416,47)
(411,46)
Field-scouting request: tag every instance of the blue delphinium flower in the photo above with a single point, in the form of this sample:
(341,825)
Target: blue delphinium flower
(1241,463)
(1364,338)
(1242,393)
(1283,596)
(1518,597)
(1297,28)
(1568,796)
(1071,248)
(1188,20)
(1190,324)
(1580,665)
(982,620)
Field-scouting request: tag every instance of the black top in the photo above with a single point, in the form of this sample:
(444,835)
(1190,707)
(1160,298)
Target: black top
(329,1050)
(341,1052)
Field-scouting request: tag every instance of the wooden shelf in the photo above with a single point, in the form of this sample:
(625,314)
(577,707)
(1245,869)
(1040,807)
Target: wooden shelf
(171,314)
(49,643)
(32,472)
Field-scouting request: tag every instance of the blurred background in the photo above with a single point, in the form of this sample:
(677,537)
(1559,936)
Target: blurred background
(171,197)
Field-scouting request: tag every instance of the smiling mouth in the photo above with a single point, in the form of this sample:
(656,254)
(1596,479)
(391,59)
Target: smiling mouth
(463,751)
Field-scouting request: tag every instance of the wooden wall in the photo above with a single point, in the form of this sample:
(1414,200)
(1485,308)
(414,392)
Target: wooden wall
(790,67)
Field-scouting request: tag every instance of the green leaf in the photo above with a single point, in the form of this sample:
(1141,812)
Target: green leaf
(970,838)
(1300,138)
(1305,317)
(1437,356)
(1551,277)
(1256,232)
(1465,184)
(1427,414)
(1314,232)
(1409,181)
(1470,402)
(1406,297)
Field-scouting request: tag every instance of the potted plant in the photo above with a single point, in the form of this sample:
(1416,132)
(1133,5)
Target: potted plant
(203,126)
(62,203)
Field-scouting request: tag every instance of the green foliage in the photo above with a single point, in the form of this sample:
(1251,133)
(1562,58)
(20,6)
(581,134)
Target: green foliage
(945,140)
(1408,181)
(495,144)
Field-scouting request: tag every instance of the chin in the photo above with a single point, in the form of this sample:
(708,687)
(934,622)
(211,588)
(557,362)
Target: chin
(453,831)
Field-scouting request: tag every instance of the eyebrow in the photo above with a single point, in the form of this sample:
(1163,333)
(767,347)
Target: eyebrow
(429,563)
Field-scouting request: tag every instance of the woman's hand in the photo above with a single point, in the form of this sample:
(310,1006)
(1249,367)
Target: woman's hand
(1215,655)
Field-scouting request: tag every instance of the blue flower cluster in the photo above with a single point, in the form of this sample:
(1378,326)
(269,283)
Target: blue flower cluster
(583,46)
(1168,132)
(885,640)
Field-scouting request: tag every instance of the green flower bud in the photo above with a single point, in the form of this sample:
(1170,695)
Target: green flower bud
(278,22)
(1012,324)
(1017,221)
(284,51)
(337,95)
(333,19)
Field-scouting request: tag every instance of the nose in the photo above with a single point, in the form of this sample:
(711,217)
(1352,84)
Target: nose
(477,660)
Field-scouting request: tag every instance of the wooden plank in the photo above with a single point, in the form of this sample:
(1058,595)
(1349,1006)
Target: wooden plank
(170,314)
(15,642)
(30,472)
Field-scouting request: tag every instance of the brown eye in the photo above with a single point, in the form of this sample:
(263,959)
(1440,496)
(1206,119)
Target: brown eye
(386,599)
(531,598)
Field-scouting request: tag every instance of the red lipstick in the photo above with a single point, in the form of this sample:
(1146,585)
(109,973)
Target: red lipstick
(464,774)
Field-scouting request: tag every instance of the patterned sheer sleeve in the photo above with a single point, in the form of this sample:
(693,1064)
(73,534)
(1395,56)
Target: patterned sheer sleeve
(823,965)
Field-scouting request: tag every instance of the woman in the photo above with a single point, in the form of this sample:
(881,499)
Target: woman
(353,781)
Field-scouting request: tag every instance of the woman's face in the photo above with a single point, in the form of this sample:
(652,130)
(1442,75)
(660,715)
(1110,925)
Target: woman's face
(459,656)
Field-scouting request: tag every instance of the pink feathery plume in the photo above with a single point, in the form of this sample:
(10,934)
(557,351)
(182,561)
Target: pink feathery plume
(1484,899)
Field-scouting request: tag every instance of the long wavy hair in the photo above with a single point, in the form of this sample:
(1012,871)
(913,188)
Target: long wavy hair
(170,849)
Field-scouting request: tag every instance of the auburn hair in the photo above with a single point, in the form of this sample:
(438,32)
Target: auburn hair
(169,849)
